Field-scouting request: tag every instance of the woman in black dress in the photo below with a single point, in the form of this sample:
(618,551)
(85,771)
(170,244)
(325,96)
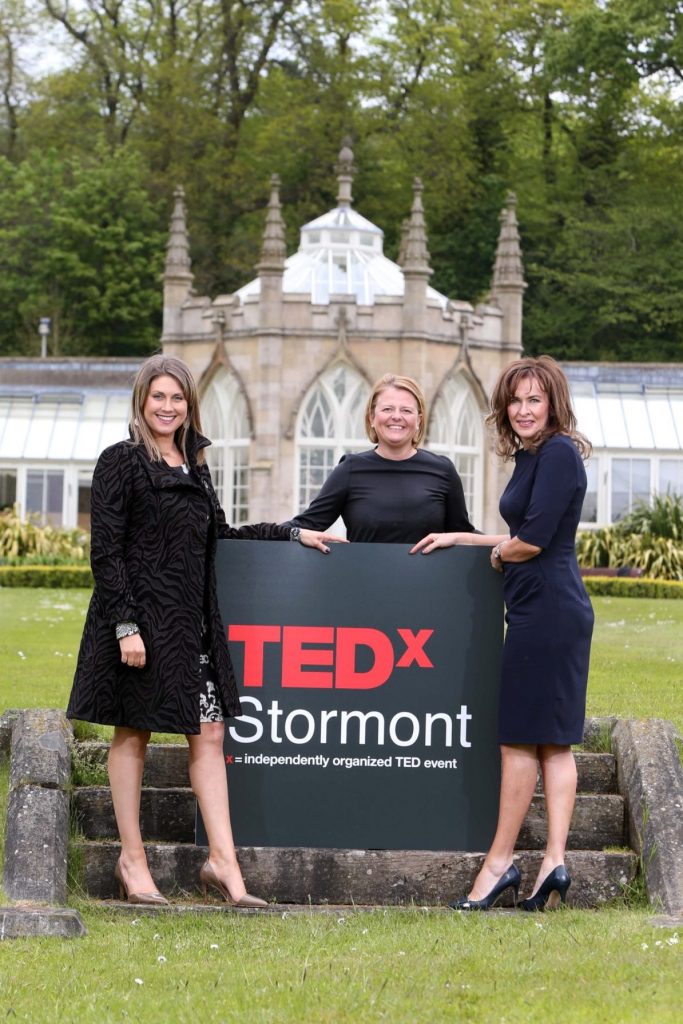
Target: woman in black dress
(396,492)
(154,655)
(550,622)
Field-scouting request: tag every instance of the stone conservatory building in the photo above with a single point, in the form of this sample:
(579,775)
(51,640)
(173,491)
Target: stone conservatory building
(287,362)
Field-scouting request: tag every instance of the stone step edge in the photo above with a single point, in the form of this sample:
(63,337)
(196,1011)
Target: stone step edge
(355,877)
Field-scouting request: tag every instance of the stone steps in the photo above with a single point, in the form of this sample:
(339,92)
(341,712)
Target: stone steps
(168,815)
(381,877)
(301,876)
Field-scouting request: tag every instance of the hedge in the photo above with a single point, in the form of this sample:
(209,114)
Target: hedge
(65,576)
(62,576)
(623,586)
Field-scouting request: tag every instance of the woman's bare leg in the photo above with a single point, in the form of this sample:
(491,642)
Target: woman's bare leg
(558,768)
(519,769)
(126,764)
(210,786)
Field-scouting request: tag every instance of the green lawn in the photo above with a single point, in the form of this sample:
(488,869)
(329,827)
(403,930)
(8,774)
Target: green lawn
(409,966)
(397,966)
(636,664)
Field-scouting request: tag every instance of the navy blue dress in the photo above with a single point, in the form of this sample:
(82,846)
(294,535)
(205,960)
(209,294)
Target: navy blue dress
(548,612)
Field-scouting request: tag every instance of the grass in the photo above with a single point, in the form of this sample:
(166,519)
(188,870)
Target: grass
(636,661)
(397,966)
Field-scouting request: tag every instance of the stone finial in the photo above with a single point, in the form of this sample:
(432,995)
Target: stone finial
(178,265)
(508,269)
(416,258)
(273,249)
(345,172)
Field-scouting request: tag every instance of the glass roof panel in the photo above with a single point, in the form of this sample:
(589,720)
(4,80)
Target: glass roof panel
(115,425)
(613,423)
(61,442)
(88,439)
(637,421)
(40,430)
(588,418)
(662,421)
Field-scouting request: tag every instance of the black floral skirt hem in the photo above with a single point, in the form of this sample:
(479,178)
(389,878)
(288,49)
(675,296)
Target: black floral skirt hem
(210,704)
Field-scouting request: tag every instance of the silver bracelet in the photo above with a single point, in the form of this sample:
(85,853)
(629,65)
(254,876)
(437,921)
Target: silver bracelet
(126,629)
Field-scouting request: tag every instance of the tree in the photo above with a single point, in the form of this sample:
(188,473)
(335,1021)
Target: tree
(79,243)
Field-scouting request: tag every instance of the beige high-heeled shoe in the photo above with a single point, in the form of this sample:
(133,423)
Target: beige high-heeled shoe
(208,877)
(150,899)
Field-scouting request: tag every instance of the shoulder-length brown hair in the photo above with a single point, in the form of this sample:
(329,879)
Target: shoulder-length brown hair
(394,380)
(162,366)
(561,418)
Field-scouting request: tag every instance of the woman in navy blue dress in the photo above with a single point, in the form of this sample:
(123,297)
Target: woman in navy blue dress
(550,622)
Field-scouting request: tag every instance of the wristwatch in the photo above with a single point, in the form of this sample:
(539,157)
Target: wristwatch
(496,552)
(295,533)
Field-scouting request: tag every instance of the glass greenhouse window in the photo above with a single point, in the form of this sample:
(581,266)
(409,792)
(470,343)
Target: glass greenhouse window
(630,484)
(45,495)
(671,476)
(589,512)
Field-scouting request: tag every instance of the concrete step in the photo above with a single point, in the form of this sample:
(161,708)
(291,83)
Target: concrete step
(378,877)
(166,766)
(168,815)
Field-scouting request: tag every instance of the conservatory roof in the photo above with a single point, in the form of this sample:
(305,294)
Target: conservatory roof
(341,253)
(63,409)
(628,405)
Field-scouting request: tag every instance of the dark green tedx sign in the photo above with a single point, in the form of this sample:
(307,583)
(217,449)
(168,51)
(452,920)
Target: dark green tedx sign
(369,683)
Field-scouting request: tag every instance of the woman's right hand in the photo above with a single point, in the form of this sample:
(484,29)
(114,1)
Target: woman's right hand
(133,653)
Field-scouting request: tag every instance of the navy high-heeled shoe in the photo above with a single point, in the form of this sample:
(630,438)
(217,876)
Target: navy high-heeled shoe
(551,893)
(509,880)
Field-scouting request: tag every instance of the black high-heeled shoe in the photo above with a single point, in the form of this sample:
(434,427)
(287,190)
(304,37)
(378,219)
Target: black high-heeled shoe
(509,880)
(551,893)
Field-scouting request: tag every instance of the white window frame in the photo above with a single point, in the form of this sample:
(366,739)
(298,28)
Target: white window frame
(456,400)
(225,418)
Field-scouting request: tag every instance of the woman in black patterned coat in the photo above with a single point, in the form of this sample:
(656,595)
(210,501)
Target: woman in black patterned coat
(154,655)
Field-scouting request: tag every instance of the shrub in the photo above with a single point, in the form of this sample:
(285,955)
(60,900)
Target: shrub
(649,538)
(25,541)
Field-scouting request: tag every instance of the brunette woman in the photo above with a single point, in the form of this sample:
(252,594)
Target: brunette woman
(550,622)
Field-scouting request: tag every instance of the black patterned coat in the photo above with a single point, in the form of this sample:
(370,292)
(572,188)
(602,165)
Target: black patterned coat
(153,547)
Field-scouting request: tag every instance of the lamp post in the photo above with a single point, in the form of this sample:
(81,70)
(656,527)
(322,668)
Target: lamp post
(43,331)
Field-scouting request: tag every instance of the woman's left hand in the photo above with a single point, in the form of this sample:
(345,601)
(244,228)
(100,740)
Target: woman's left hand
(314,539)
(435,540)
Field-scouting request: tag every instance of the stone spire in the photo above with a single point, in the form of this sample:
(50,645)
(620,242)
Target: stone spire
(416,269)
(507,284)
(416,259)
(177,276)
(271,266)
(508,270)
(178,265)
(345,172)
(273,249)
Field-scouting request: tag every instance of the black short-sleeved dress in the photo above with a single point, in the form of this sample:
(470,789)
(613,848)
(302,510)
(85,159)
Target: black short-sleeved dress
(390,501)
(549,615)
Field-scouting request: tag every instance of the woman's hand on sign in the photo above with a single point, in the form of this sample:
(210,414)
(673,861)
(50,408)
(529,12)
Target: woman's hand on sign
(133,653)
(315,539)
(437,540)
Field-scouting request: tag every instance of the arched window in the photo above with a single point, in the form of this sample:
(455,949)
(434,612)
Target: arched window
(456,430)
(226,423)
(330,424)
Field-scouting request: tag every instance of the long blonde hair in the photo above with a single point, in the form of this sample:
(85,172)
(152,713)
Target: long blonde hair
(161,366)
(561,417)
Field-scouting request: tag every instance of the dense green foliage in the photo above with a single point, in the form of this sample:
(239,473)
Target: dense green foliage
(27,542)
(574,104)
(649,538)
